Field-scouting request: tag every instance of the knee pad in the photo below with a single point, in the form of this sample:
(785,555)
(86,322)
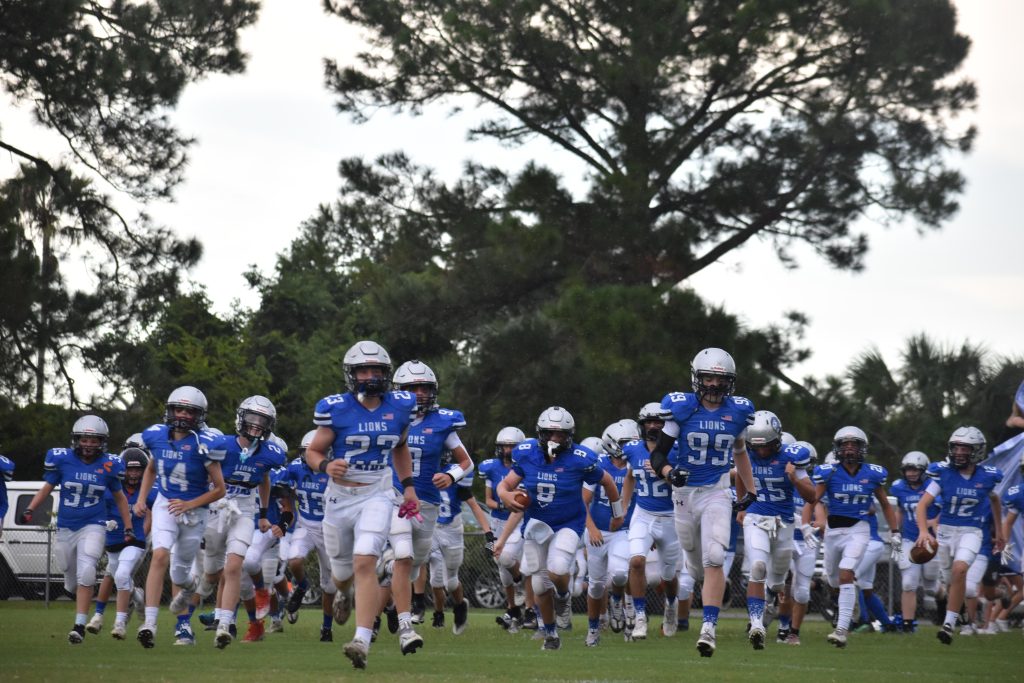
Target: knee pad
(246,590)
(596,589)
(620,578)
(668,569)
(123,579)
(911,579)
(802,594)
(714,556)
(541,583)
(971,590)
(531,558)
(87,576)
(453,583)
(341,570)
(758,571)
(505,576)
(251,565)
(181,575)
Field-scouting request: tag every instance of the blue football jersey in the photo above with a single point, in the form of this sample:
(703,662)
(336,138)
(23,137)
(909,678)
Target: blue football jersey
(364,438)
(309,488)
(492,471)
(244,470)
(850,495)
(650,492)
(601,506)
(706,436)
(450,507)
(426,446)
(964,499)
(82,486)
(138,521)
(1013,499)
(180,465)
(6,474)
(907,497)
(775,490)
(277,475)
(556,487)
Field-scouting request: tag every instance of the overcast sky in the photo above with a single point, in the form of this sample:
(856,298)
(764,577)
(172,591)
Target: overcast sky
(269,142)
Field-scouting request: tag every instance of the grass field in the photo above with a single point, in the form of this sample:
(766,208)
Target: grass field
(34,646)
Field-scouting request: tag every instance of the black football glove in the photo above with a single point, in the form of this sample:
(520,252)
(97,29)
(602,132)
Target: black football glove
(678,477)
(743,503)
(489,544)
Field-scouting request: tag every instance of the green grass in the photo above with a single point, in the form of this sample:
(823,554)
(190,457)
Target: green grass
(33,640)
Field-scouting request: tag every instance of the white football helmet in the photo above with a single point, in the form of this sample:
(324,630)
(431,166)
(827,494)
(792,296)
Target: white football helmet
(190,398)
(367,354)
(765,431)
(914,461)
(413,373)
(651,412)
(830,459)
(716,363)
(307,439)
(593,443)
(788,439)
(255,418)
(135,441)
(555,419)
(89,425)
(617,434)
(973,439)
(278,441)
(812,451)
(850,434)
(507,437)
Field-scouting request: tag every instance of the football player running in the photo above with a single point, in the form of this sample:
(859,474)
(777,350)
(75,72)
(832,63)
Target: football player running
(248,458)
(650,525)
(846,489)
(493,470)
(908,492)
(607,549)
(554,470)
(433,431)
(188,477)
(779,474)
(361,436)
(806,541)
(84,472)
(708,425)
(967,493)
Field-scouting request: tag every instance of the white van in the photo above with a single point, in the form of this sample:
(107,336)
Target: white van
(23,547)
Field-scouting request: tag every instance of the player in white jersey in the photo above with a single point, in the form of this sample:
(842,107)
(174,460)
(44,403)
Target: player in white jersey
(360,436)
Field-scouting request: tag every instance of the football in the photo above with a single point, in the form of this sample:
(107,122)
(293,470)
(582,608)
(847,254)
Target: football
(522,498)
(919,555)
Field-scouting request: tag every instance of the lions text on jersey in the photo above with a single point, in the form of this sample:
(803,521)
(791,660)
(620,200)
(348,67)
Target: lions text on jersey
(850,495)
(364,438)
(964,499)
(706,437)
(775,490)
(309,488)
(907,497)
(555,487)
(426,440)
(180,464)
(493,470)
(651,493)
(82,486)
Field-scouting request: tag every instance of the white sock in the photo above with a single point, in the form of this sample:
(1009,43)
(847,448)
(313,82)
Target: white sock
(151,614)
(847,597)
(121,618)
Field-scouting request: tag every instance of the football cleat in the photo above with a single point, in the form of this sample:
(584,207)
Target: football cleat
(409,641)
(275,625)
(519,598)
(262,603)
(616,616)
(793,638)
(326,635)
(118,631)
(706,641)
(640,626)
(181,601)
(342,607)
(530,622)
(563,612)
(147,635)
(254,634)
(670,624)
(837,638)
(77,634)
(208,621)
(503,620)
(593,637)
(461,612)
(967,630)
(183,635)
(781,635)
(438,620)
(223,637)
(391,612)
(514,626)
(551,642)
(95,624)
(295,604)
(756,637)
(375,631)
(357,650)
(945,634)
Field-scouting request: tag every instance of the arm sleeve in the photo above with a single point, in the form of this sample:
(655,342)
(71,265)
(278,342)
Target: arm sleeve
(659,457)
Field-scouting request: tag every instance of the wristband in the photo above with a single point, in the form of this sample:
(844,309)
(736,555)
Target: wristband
(322,467)
(263,513)
(617,512)
(455,472)
(407,482)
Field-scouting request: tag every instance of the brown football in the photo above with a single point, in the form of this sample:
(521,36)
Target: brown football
(522,498)
(919,555)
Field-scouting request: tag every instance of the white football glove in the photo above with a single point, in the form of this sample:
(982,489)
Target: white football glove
(111,525)
(896,546)
(1007,556)
(811,539)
